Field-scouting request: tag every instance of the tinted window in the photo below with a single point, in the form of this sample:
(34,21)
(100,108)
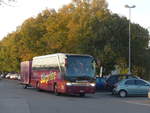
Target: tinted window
(80,66)
(131,76)
(130,82)
(45,63)
(112,79)
(100,79)
(140,82)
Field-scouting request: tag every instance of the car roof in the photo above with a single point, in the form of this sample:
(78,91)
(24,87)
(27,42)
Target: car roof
(118,75)
(131,79)
(124,80)
(136,79)
(122,75)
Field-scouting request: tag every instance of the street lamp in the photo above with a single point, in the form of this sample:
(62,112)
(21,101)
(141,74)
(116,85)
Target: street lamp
(149,36)
(127,6)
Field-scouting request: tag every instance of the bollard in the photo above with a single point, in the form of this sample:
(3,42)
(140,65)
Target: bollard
(149,94)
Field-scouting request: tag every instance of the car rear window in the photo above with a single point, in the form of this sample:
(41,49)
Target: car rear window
(140,82)
(112,79)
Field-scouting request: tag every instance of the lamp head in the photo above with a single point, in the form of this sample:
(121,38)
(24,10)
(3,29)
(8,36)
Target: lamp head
(127,6)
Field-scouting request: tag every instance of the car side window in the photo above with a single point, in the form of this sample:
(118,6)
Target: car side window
(140,82)
(130,82)
(131,77)
(97,79)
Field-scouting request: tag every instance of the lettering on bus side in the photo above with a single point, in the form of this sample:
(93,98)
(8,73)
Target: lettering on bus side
(46,78)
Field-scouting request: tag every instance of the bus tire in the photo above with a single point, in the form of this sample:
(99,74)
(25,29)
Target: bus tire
(56,90)
(38,86)
(25,86)
(82,94)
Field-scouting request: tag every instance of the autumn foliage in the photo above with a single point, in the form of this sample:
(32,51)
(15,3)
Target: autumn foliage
(84,27)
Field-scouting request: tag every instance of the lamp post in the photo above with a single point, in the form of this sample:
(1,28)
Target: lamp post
(127,6)
(149,36)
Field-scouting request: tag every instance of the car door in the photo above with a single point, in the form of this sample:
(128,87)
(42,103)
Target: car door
(143,87)
(130,87)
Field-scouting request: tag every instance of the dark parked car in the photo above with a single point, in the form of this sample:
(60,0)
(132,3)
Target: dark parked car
(113,79)
(100,83)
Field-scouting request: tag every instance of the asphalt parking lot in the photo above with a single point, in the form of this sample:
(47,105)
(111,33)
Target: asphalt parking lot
(15,99)
(137,100)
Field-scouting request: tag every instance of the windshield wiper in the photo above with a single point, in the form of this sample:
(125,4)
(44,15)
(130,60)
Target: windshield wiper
(84,77)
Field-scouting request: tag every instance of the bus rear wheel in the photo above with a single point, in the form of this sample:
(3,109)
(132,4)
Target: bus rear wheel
(56,90)
(38,86)
(25,86)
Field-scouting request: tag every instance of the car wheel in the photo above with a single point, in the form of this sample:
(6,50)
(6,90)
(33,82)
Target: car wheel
(122,93)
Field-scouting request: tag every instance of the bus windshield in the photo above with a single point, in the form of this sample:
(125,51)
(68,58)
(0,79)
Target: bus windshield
(79,66)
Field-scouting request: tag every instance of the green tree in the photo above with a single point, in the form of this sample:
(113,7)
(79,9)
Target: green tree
(83,27)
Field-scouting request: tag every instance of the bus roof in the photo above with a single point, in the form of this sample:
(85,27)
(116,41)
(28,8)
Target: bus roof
(62,54)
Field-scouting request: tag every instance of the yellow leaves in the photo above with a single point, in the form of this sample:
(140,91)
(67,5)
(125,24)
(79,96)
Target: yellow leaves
(67,9)
(99,4)
(138,70)
(83,26)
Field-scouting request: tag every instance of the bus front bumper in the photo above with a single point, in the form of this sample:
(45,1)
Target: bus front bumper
(79,89)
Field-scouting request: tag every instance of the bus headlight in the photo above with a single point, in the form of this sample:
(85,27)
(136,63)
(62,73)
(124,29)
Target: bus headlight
(68,84)
(92,84)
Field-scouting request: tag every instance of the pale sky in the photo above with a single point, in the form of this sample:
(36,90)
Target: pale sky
(11,17)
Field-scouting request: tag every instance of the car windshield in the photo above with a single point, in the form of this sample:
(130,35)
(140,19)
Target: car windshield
(79,66)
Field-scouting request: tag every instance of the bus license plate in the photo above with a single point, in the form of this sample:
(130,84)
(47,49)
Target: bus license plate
(81,91)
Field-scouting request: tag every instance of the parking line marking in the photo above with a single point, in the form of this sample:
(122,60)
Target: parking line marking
(137,103)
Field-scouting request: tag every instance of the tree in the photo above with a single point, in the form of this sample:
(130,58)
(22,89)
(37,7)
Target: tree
(83,27)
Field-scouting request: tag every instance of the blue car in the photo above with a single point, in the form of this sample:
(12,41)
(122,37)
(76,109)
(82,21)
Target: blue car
(100,83)
(132,86)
